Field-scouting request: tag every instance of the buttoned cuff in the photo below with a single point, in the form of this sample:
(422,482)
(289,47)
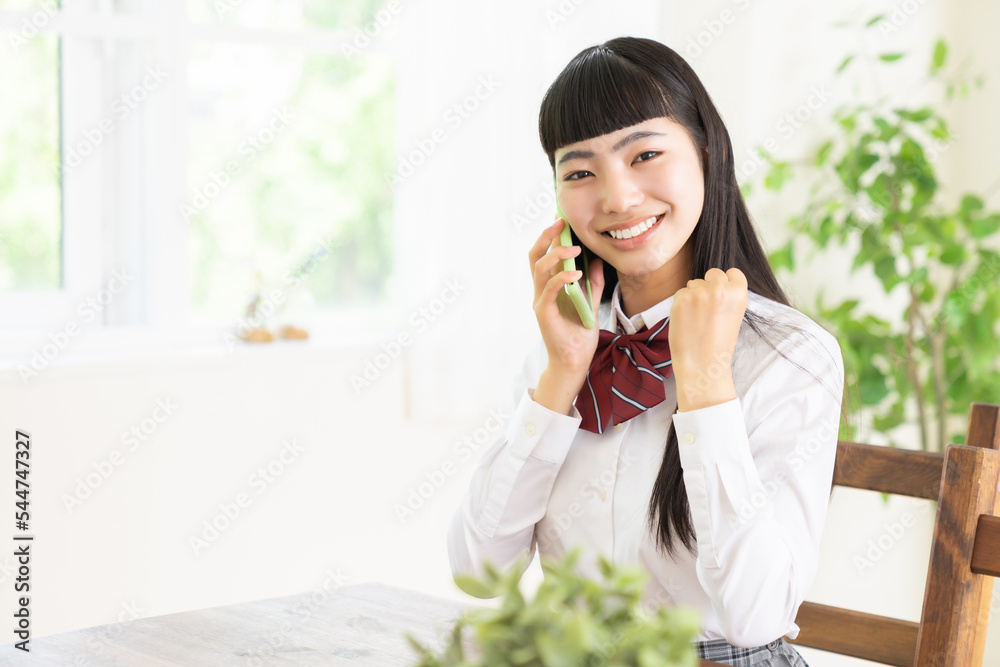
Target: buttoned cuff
(541,433)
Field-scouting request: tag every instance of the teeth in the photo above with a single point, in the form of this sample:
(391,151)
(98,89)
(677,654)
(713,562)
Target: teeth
(634,231)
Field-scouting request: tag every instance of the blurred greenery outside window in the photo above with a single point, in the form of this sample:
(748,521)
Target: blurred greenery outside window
(310,134)
(30,193)
(308,139)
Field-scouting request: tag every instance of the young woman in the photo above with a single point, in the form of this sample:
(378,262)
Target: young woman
(694,430)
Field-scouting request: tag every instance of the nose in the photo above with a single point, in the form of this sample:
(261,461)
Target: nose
(619,193)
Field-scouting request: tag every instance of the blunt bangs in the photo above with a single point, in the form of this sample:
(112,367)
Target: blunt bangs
(598,93)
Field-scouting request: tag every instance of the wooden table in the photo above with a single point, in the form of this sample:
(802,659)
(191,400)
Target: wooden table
(361,624)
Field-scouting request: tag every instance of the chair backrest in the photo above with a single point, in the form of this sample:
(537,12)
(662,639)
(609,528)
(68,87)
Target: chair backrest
(965,552)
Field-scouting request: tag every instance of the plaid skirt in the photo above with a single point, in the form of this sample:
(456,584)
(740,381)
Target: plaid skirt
(778,653)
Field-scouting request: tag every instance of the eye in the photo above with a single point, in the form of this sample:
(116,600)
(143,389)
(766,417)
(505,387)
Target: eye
(571,176)
(651,155)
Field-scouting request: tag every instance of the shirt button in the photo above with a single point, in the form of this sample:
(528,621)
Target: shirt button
(773,645)
(689,438)
(530,429)
(604,494)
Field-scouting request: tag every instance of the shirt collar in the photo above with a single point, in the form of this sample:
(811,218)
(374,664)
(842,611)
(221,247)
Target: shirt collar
(646,318)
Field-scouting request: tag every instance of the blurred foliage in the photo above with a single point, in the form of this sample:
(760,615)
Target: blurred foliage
(316,196)
(570,621)
(30,190)
(320,181)
(876,191)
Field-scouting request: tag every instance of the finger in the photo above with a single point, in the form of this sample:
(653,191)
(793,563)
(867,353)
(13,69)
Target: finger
(556,283)
(551,262)
(544,241)
(715,274)
(737,277)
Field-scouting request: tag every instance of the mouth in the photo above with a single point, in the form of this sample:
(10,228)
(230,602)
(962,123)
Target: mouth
(636,234)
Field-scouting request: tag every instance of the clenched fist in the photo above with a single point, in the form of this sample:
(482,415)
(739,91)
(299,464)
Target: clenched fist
(705,320)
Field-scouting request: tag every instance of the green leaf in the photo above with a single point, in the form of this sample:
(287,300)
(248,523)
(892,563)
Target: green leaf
(953,255)
(891,420)
(844,63)
(890,57)
(879,192)
(823,153)
(985,227)
(969,204)
(782,258)
(873,20)
(940,55)
(474,587)
(778,174)
(917,276)
(553,652)
(885,269)
(872,389)
(915,116)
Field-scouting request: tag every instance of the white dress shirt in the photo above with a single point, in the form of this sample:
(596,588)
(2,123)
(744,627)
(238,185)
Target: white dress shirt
(758,472)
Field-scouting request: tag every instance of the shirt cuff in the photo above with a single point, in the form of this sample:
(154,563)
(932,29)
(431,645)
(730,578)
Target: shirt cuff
(541,433)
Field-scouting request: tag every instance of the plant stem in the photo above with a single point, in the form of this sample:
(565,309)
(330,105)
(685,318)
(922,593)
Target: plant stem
(936,339)
(911,367)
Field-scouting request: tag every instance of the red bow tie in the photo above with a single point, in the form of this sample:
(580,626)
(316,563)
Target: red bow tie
(626,376)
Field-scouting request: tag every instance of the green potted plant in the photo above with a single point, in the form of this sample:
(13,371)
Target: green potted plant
(875,190)
(570,621)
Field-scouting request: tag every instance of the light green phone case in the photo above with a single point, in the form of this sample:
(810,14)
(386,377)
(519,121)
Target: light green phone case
(573,289)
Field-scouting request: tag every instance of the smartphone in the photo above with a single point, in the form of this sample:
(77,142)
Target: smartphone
(573,290)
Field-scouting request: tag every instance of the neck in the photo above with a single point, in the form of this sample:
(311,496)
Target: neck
(638,293)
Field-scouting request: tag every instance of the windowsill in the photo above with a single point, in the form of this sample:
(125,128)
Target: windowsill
(44,350)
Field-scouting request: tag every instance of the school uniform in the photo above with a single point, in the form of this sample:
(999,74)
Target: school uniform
(758,472)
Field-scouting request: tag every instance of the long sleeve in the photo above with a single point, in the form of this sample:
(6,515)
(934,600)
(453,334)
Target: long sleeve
(758,472)
(510,487)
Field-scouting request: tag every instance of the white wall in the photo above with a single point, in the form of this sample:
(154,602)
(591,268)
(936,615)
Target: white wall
(333,508)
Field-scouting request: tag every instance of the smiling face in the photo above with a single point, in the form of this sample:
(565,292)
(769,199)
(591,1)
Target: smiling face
(633,197)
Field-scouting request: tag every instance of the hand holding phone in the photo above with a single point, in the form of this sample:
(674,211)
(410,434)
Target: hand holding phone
(573,289)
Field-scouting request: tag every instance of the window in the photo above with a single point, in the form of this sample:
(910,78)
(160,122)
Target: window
(190,154)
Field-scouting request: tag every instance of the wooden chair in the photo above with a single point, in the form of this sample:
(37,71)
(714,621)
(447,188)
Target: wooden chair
(965,552)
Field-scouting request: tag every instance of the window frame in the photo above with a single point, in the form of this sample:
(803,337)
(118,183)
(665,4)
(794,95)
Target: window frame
(104,195)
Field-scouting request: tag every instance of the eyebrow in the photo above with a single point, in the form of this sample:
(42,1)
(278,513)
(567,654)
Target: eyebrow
(635,136)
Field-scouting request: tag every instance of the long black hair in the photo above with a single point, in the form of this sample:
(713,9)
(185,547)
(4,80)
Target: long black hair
(624,82)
